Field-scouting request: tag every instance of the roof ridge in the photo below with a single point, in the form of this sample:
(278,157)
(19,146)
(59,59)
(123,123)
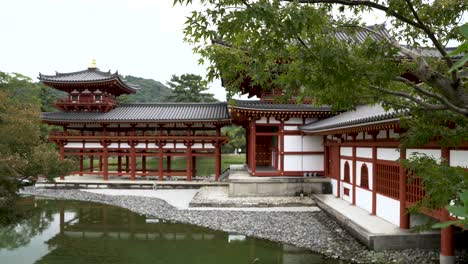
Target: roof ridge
(173,103)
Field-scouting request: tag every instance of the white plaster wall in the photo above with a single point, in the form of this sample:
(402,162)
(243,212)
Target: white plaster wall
(124,145)
(382,134)
(388,209)
(312,143)
(358,172)
(143,145)
(309,120)
(364,152)
(180,145)
(388,154)
(312,163)
(459,158)
(291,128)
(350,169)
(73,145)
(292,143)
(393,134)
(345,197)
(359,135)
(113,145)
(364,199)
(346,151)
(334,184)
(292,162)
(93,145)
(262,120)
(295,120)
(274,121)
(434,153)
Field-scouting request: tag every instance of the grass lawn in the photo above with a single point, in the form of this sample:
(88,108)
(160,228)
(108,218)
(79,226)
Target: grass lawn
(205,165)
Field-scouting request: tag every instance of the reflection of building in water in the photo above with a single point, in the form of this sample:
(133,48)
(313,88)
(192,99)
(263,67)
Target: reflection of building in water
(94,233)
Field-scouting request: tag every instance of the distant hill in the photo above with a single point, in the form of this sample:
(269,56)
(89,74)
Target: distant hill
(150,91)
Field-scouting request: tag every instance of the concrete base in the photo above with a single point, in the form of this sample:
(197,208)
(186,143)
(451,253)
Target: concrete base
(241,184)
(277,187)
(447,259)
(373,231)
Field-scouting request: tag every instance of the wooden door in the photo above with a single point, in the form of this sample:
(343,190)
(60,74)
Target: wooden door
(264,148)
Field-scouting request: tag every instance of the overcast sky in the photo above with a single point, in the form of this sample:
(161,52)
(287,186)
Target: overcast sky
(142,38)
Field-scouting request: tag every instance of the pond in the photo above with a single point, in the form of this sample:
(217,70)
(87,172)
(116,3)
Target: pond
(59,231)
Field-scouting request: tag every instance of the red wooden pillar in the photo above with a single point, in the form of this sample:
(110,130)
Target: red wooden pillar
(81,163)
(281,147)
(354,168)
(133,163)
(189,161)
(127,162)
(404,214)
(247,144)
(447,238)
(217,162)
(105,171)
(143,161)
(374,180)
(160,160)
(62,155)
(218,155)
(91,163)
(194,166)
(119,164)
(326,158)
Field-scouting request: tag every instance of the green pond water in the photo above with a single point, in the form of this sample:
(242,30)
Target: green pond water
(58,231)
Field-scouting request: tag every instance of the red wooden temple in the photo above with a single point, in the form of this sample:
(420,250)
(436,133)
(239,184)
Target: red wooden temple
(93,125)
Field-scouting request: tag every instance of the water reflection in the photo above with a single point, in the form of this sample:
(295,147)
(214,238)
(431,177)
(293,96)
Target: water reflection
(77,232)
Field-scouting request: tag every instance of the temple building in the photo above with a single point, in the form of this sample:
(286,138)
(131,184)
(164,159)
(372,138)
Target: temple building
(357,150)
(95,126)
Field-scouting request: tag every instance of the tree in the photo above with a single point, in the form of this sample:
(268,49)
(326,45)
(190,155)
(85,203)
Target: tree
(236,135)
(189,88)
(23,152)
(299,47)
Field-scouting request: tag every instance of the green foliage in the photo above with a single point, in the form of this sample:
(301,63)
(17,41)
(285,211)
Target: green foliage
(149,91)
(462,49)
(189,88)
(236,135)
(292,46)
(442,183)
(460,211)
(23,152)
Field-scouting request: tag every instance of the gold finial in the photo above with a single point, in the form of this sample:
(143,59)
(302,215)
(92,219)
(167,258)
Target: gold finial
(93,65)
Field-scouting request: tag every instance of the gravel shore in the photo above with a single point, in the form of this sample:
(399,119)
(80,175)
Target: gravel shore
(311,230)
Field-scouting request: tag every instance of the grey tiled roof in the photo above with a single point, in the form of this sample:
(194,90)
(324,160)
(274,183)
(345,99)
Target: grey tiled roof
(362,115)
(159,112)
(265,105)
(89,75)
(359,35)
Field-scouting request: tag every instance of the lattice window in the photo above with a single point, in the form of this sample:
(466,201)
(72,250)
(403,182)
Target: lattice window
(364,176)
(387,180)
(414,189)
(346,173)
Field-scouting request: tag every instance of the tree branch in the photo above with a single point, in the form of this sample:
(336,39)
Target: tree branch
(425,92)
(412,98)
(434,40)
(363,3)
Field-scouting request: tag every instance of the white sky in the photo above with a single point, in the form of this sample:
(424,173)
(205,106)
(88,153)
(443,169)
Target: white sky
(142,38)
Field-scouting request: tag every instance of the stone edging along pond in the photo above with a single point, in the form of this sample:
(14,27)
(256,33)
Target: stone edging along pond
(310,230)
